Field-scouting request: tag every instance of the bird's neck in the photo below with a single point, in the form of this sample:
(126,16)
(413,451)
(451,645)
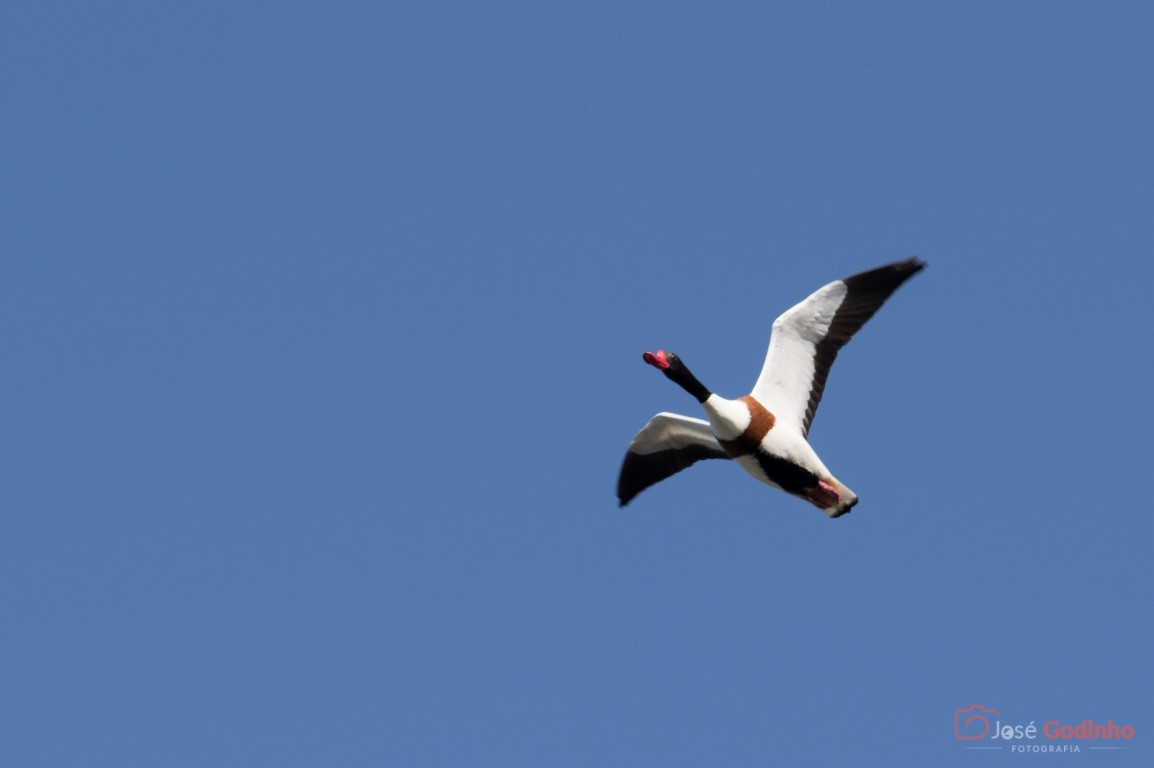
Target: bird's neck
(687,381)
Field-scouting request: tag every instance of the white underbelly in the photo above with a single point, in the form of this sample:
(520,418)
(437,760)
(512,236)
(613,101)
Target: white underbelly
(751,465)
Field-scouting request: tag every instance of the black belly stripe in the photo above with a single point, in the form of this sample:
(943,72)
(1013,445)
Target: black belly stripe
(742,445)
(789,476)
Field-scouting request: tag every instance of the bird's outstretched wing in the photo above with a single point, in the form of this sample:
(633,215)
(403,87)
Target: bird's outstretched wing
(668,444)
(806,339)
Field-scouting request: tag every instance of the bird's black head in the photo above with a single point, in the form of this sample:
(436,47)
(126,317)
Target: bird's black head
(675,370)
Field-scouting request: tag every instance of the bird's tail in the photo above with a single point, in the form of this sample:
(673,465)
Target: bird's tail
(845,501)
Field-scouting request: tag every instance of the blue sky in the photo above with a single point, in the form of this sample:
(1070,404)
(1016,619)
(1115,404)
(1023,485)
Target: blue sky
(321,335)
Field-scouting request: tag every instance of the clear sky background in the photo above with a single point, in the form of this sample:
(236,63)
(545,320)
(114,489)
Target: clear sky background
(321,346)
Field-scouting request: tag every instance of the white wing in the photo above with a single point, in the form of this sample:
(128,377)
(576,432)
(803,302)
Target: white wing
(807,337)
(668,444)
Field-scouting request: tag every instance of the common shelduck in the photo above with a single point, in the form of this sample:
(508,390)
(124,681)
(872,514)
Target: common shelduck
(765,432)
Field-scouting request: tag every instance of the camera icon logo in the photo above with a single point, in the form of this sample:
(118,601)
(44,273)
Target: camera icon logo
(971,722)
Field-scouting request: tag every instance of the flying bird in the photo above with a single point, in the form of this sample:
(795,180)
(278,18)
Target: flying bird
(766,431)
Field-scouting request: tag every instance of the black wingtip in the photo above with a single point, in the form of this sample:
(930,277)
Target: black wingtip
(911,265)
(884,280)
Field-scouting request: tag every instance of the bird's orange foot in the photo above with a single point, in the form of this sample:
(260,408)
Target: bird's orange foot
(823,495)
(829,489)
